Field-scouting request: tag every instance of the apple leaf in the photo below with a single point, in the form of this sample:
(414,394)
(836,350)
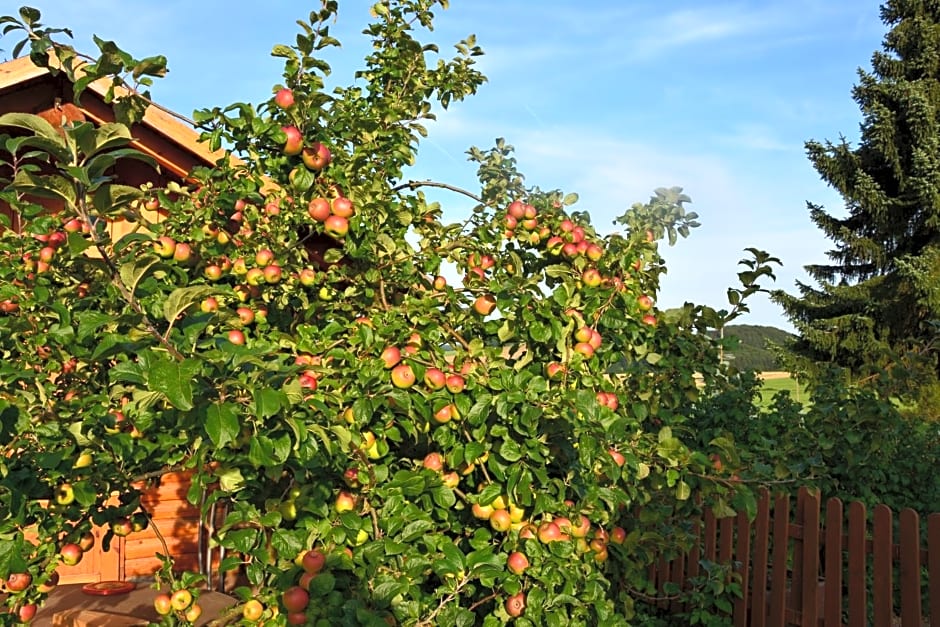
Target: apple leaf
(268,402)
(231,480)
(222,423)
(174,380)
(182,298)
(133,271)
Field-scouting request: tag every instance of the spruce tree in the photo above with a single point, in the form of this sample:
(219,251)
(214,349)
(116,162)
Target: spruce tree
(875,304)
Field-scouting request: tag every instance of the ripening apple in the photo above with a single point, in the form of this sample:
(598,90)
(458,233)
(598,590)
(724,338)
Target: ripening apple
(84,460)
(455,383)
(343,207)
(73,226)
(582,528)
(212,272)
(617,456)
(649,319)
(555,245)
(122,527)
(336,226)
(319,209)
(71,554)
(584,334)
(316,157)
(591,277)
(644,302)
(618,535)
(517,562)
(445,414)
(483,512)
(345,502)
(252,610)
(433,461)
(294,142)
(284,98)
(183,253)
(435,378)
(499,520)
(295,599)
(554,370)
(272,273)
(403,376)
(264,257)
(584,349)
(516,513)
(595,340)
(549,532)
(87,541)
(27,612)
(236,337)
(450,479)
(391,356)
(49,584)
(307,277)
(351,478)
(209,305)
(65,494)
(440,283)
(515,605)
(300,618)
(245,314)
(485,304)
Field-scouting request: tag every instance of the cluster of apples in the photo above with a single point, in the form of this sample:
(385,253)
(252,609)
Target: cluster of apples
(181,602)
(332,214)
(435,461)
(21,584)
(42,260)
(501,514)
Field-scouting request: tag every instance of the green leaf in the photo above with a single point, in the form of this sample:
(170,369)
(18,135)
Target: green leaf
(174,380)
(110,199)
(268,402)
(182,298)
(133,271)
(33,123)
(222,423)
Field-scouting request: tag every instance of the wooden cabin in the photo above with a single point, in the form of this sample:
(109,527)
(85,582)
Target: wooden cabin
(176,148)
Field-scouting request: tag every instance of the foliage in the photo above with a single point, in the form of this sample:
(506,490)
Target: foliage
(876,303)
(292,359)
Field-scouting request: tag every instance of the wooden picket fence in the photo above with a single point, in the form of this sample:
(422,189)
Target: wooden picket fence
(798,570)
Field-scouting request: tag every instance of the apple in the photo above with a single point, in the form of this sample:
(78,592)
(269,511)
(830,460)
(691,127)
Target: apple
(49,584)
(617,456)
(649,319)
(295,599)
(516,209)
(209,305)
(236,337)
(528,532)
(554,370)
(313,561)
(319,209)
(264,257)
(47,254)
(439,283)
(569,250)
(585,349)
(245,314)
(577,234)
(345,502)
(294,142)
(434,378)
(308,380)
(515,605)
(239,267)
(193,613)
(17,582)
(516,513)
(336,226)
(403,376)
(297,618)
(9,306)
(499,520)
(583,527)
(87,541)
(316,157)
(165,246)
(591,277)
(455,383)
(595,340)
(594,252)
(73,226)
(71,554)
(181,599)
(644,302)
(272,274)
(307,277)
(343,207)
(255,276)
(27,611)
(252,610)
(485,304)
(84,460)
(56,239)
(351,477)
(445,414)
(64,494)
(284,98)
(212,272)
(391,356)
(433,461)
(517,562)
(183,253)
(483,512)
(450,479)
(618,535)
(122,526)
(549,532)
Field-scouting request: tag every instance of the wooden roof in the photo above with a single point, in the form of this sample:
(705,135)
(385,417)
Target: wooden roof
(27,88)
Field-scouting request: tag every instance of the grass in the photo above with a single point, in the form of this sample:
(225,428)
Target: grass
(774,382)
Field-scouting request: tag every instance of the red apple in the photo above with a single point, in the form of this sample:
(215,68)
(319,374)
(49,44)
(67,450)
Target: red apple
(343,207)
(336,226)
(122,527)
(246,315)
(516,209)
(445,413)
(617,456)
(585,349)
(236,337)
(434,378)
(515,605)
(183,253)
(499,520)
(644,302)
(264,257)
(272,273)
(307,277)
(284,98)
(485,304)
(294,142)
(433,461)
(165,246)
(345,502)
(517,562)
(209,305)
(618,535)
(295,599)
(17,582)
(316,157)
(649,319)
(483,512)
(455,383)
(212,272)
(319,209)
(391,356)
(49,584)
(300,618)
(591,277)
(440,283)
(254,276)
(549,532)
(27,612)
(71,554)
(87,541)
(313,561)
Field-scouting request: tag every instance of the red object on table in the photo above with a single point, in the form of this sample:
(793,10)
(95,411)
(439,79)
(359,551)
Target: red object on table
(107,588)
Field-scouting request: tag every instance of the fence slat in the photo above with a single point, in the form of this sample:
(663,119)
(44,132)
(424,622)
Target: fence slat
(695,555)
(742,557)
(909,571)
(809,575)
(711,539)
(881,566)
(778,578)
(677,570)
(858,566)
(725,539)
(832,604)
(761,542)
(933,566)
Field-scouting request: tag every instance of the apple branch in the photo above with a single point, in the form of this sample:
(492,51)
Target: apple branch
(413,185)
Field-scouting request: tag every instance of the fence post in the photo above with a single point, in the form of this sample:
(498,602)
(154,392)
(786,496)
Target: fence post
(832,605)
(882,592)
(778,578)
(761,542)
(933,566)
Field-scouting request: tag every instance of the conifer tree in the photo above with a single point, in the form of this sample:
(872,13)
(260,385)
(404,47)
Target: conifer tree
(875,304)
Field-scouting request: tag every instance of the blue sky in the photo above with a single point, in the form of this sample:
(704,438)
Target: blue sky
(607,98)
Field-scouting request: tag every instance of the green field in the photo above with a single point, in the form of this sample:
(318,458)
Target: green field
(773,384)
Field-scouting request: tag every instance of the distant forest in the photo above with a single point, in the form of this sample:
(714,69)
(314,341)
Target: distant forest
(751,352)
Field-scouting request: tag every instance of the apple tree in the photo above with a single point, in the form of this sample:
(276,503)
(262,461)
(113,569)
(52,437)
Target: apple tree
(406,419)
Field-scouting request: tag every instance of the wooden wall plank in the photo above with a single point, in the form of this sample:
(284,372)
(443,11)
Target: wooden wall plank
(778,577)
(809,577)
(933,567)
(832,604)
(909,570)
(882,602)
(742,558)
(858,566)
(761,545)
